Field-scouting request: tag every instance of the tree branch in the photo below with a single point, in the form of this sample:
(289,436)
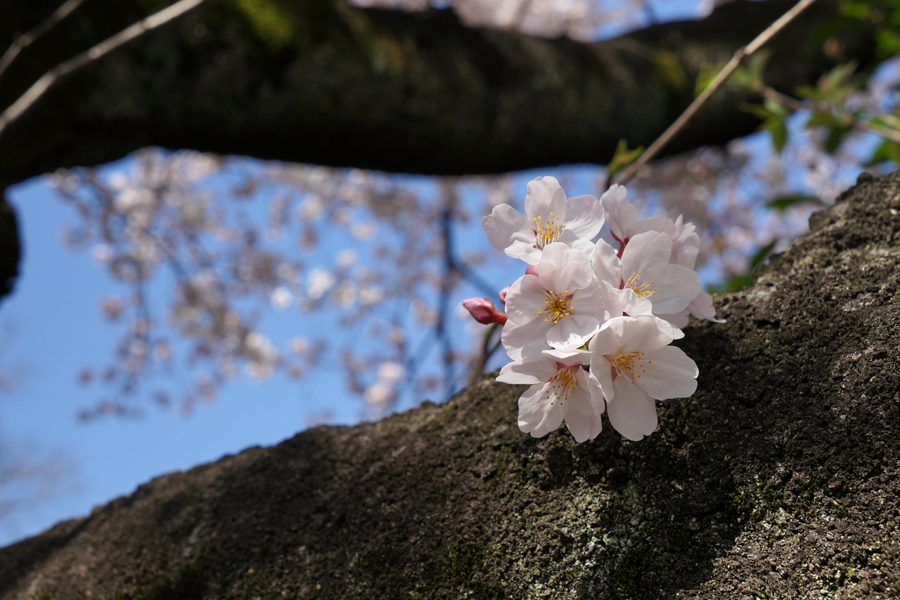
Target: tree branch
(24,41)
(52,77)
(346,86)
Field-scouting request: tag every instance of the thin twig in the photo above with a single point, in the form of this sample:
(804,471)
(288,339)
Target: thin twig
(446,288)
(473,278)
(24,41)
(54,75)
(485,354)
(739,57)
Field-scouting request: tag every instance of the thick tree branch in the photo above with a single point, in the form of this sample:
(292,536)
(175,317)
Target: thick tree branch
(333,84)
(57,73)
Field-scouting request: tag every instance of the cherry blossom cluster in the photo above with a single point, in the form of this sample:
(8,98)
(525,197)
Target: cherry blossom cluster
(589,326)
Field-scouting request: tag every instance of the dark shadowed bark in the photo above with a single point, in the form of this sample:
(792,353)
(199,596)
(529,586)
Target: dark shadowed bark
(322,82)
(778,478)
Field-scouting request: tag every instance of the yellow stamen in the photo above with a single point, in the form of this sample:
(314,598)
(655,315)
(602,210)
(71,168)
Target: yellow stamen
(641,289)
(558,306)
(549,232)
(629,365)
(560,386)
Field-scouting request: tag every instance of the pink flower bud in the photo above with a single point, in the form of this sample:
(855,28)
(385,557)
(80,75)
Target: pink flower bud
(503,294)
(483,311)
(532,270)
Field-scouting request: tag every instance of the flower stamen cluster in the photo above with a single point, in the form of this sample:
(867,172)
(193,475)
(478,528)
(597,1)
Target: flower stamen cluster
(641,289)
(547,233)
(624,364)
(558,306)
(586,336)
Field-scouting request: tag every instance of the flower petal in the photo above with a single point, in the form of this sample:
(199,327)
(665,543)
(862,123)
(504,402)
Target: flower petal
(545,196)
(583,421)
(600,300)
(537,416)
(645,251)
(572,331)
(511,233)
(633,412)
(533,369)
(668,373)
(564,269)
(632,334)
(702,308)
(602,371)
(673,287)
(619,212)
(606,264)
(526,339)
(584,217)
(525,299)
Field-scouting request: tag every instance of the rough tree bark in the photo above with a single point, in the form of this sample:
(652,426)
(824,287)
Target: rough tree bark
(778,478)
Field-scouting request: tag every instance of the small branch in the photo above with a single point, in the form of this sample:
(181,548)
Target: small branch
(487,351)
(446,288)
(473,278)
(24,41)
(54,75)
(739,57)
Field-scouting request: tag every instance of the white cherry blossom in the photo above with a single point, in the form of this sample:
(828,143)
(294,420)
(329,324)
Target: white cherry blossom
(620,214)
(549,218)
(560,307)
(561,390)
(622,218)
(645,268)
(633,364)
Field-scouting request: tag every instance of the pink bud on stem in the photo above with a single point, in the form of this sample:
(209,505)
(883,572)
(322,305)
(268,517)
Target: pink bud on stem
(483,311)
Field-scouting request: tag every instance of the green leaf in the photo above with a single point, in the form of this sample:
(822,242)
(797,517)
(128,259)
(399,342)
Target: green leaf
(888,150)
(824,119)
(783,203)
(708,73)
(762,254)
(738,282)
(750,76)
(835,137)
(888,42)
(777,128)
(756,109)
(734,284)
(622,158)
(775,107)
(856,10)
(669,70)
(894,18)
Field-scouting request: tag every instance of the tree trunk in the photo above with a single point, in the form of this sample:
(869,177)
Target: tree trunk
(778,478)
